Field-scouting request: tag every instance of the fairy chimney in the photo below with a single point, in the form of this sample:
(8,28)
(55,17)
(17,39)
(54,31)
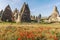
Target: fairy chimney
(18,19)
(7,14)
(25,13)
(32,17)
(16,15)
(54,15)
(1,13)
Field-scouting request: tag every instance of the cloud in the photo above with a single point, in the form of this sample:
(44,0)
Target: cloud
(13,3)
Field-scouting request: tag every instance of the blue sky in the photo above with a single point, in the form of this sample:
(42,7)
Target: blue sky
(43,7)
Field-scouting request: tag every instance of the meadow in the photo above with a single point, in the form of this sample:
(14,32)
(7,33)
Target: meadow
(29,31)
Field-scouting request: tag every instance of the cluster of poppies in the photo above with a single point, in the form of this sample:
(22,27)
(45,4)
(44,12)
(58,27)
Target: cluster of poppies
(32,33)
(41,33)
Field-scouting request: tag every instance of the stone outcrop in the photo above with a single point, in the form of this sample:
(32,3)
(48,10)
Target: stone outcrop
(33,18)
(25,13)
(54,16)
(7,14)
(16,15)
(39,18)
(18,19)
(1,13)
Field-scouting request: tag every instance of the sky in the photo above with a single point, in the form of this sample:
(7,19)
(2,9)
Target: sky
(43,7)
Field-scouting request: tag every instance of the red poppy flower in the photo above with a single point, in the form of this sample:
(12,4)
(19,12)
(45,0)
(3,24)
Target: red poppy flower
(19,39)
(21,34)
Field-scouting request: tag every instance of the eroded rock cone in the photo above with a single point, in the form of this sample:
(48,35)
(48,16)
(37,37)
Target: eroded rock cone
(54,15)
(7,14)
(25,13)
(55,12)
(16,14)
(1,13)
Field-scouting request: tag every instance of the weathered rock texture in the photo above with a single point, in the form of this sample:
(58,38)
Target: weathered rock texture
(1,13)
(16,15)
(7,14)
(25,13)
(33,18)
(54,15)
(39,18)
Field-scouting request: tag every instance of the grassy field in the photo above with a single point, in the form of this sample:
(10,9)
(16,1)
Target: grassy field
(29,31)
(54,25)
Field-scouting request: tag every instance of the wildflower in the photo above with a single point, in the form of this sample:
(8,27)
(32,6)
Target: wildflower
(21,34)
(30,35)
(55,38)
(19,39)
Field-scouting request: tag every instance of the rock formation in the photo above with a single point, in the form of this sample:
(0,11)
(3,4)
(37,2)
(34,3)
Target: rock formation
(33,18)
(39,18)
(18,19)
(1,13)
(16,15)
(7,14)
(54,15)
(25,13)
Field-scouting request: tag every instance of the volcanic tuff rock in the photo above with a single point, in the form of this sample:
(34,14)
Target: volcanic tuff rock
(16,14)
(25,13)
(7,14)
(1,13)
(54,15)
